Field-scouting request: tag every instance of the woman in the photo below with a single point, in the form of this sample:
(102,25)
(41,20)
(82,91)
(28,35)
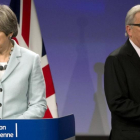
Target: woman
(22,87)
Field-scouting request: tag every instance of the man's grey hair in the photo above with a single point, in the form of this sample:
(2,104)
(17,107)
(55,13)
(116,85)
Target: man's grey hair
(8,21)
(131,15)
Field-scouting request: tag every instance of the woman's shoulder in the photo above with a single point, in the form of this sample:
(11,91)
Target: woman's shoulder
(26,52)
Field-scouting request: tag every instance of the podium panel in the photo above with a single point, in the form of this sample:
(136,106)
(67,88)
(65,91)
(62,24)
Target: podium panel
(38,129)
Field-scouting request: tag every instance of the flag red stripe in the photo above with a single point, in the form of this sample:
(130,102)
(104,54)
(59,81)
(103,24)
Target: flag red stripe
(48,113)
(26,20)
(48,80)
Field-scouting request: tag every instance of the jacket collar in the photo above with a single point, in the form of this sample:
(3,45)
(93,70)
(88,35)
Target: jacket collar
(13,62)
(134,58)
(129,48)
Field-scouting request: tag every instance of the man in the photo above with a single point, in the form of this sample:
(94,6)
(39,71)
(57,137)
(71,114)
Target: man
(122,82)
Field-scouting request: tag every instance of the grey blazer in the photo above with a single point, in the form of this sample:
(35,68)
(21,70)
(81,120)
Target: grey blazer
(22,87)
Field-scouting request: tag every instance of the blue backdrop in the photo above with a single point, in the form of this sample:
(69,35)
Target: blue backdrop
(78,36)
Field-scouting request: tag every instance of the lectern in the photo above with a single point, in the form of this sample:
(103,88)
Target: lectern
(38,129)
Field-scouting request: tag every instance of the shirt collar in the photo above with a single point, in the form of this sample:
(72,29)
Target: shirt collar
(135,47)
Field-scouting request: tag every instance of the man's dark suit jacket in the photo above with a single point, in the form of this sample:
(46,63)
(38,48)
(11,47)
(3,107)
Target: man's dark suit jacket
(122,89)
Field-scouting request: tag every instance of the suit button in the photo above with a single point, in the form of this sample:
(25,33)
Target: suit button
(0,89)
(0,104)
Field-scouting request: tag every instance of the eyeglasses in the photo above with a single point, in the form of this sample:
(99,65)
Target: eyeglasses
(135,25)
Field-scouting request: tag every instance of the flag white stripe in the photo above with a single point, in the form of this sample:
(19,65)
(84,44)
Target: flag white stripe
(44,61)
(51,103)
(35,41)
(21,40)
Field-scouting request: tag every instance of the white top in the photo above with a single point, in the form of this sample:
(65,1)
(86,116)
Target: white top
(135,47)
(2,71)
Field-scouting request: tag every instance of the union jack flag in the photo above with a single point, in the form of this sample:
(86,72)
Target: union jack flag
(29,36)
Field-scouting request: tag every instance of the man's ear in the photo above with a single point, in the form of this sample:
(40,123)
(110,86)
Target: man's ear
(129,30)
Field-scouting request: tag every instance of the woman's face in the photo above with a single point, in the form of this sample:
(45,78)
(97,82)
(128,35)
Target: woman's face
(4,40)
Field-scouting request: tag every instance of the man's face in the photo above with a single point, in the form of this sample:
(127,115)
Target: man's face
(135,30)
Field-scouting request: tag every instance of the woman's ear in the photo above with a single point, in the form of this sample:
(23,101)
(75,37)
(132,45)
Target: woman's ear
(10,35)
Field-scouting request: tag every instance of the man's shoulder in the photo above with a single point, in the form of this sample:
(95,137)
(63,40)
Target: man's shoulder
(121,51)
